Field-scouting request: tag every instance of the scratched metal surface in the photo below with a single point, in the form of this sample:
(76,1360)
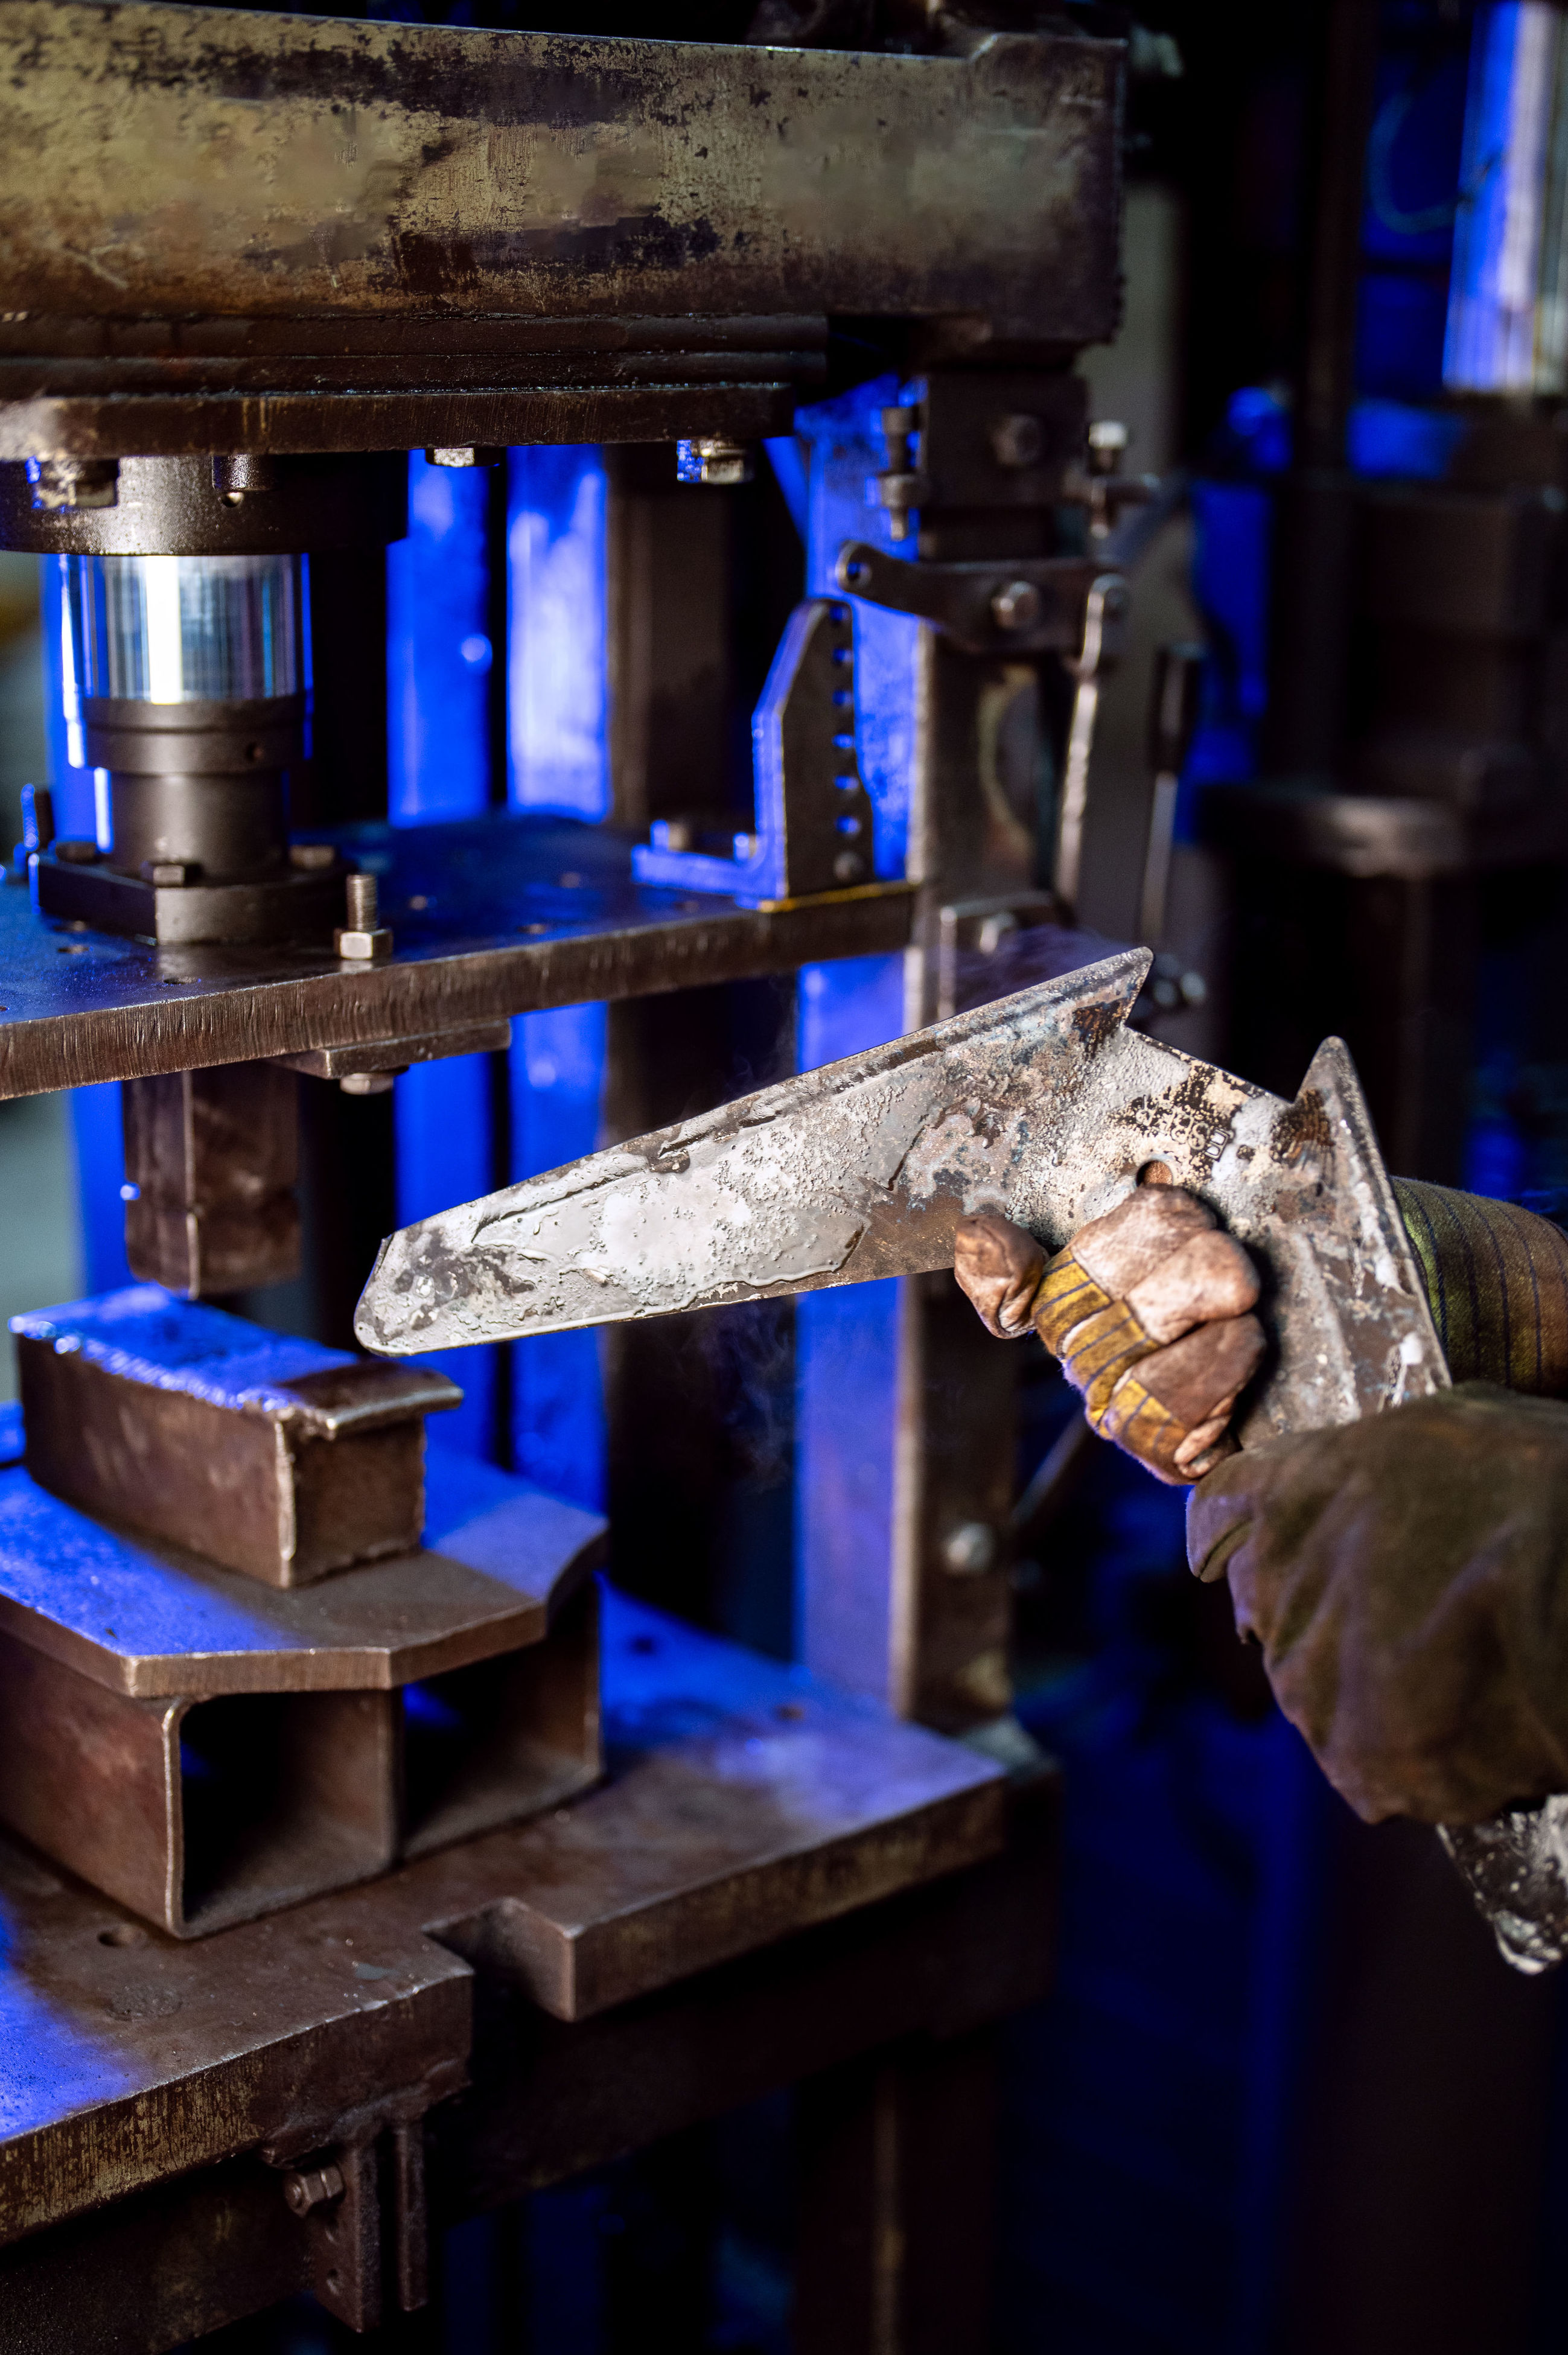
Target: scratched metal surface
(170,162)
(151,1620)
(491,916)
(1045,1105)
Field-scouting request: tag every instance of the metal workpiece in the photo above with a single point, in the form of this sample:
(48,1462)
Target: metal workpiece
(211,1159)
(1045,1106)
(493,917)
(518,214)
(271,1456)
(267,1756)
(154,1620)
(815,826)
(199,1813)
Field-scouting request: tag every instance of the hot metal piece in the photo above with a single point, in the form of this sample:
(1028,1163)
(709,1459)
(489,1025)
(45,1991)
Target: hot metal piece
(1045,1105)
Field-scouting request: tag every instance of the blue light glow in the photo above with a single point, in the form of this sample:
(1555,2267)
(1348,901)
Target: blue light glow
(558,756)
(438,696)
(557,655)
(1505,317)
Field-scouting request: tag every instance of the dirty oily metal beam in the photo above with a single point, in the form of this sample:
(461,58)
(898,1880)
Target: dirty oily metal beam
(1046,1107)
(181,168)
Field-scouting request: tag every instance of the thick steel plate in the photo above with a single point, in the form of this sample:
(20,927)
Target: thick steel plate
(490,916)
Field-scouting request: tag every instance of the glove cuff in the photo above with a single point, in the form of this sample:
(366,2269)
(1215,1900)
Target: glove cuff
(1496,1282)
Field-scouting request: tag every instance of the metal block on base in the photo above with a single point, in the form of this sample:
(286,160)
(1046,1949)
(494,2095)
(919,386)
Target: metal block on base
(271,1455)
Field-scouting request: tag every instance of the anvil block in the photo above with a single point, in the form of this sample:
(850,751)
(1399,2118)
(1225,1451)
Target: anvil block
(271,1455)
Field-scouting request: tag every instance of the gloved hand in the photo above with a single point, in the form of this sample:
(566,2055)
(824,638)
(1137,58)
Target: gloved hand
(1148,1309)
(1405,1578)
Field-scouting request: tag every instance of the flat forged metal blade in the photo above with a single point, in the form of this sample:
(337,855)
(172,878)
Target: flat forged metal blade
(1045,1106)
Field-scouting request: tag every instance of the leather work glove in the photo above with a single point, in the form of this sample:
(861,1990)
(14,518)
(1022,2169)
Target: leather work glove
(1149,1310)
(1407,1579)
(1406,1576)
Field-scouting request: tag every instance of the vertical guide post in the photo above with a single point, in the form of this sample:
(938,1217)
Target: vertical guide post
(904,1406)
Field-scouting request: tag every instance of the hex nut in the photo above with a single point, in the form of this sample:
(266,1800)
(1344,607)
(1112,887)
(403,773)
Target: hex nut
(311,857)
(362,948)
(75,850)
(169,871)
(311,2187)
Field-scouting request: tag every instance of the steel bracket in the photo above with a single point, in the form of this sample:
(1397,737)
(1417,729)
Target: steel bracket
(814,824)
(1018,606)
(359,2192)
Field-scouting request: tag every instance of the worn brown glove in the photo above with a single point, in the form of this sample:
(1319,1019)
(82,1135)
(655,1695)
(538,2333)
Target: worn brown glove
(1148,1309)
(1405,1578)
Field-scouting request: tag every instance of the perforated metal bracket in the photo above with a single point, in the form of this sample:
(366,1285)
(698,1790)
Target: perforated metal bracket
(814,823)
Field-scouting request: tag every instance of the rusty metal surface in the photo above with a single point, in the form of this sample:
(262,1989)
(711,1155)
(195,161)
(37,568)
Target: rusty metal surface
(152,1621)
(269,1455)
(163,162)
(746,1803)
(1045,1105)
(493,917)
(547,2100)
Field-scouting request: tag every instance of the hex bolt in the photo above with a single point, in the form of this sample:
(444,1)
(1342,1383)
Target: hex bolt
(312,2187)
(311,857)
(362,941)
(77,850)
(848,866)
(1016,607)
